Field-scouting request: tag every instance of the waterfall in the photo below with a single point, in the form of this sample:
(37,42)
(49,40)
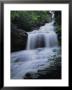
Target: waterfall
(44,37)
(42,48)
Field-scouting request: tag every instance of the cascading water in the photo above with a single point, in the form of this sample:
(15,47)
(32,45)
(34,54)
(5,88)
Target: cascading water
(44,37)
(42,45)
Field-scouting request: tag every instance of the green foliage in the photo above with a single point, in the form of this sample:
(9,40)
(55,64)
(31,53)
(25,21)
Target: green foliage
(27,20)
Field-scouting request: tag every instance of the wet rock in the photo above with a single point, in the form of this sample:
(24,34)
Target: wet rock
(17,60)
(54,50)
(31,75)
(42,72)
(28,76)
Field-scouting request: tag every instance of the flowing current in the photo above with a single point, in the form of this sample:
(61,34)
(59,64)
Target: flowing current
(42,46)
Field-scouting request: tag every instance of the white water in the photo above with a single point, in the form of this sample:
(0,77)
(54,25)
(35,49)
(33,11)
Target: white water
(42,46)
(44,37)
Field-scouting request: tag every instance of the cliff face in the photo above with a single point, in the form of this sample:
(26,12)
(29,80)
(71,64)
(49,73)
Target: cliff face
(18,38)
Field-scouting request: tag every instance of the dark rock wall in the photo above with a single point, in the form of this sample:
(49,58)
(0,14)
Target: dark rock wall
(18,38)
